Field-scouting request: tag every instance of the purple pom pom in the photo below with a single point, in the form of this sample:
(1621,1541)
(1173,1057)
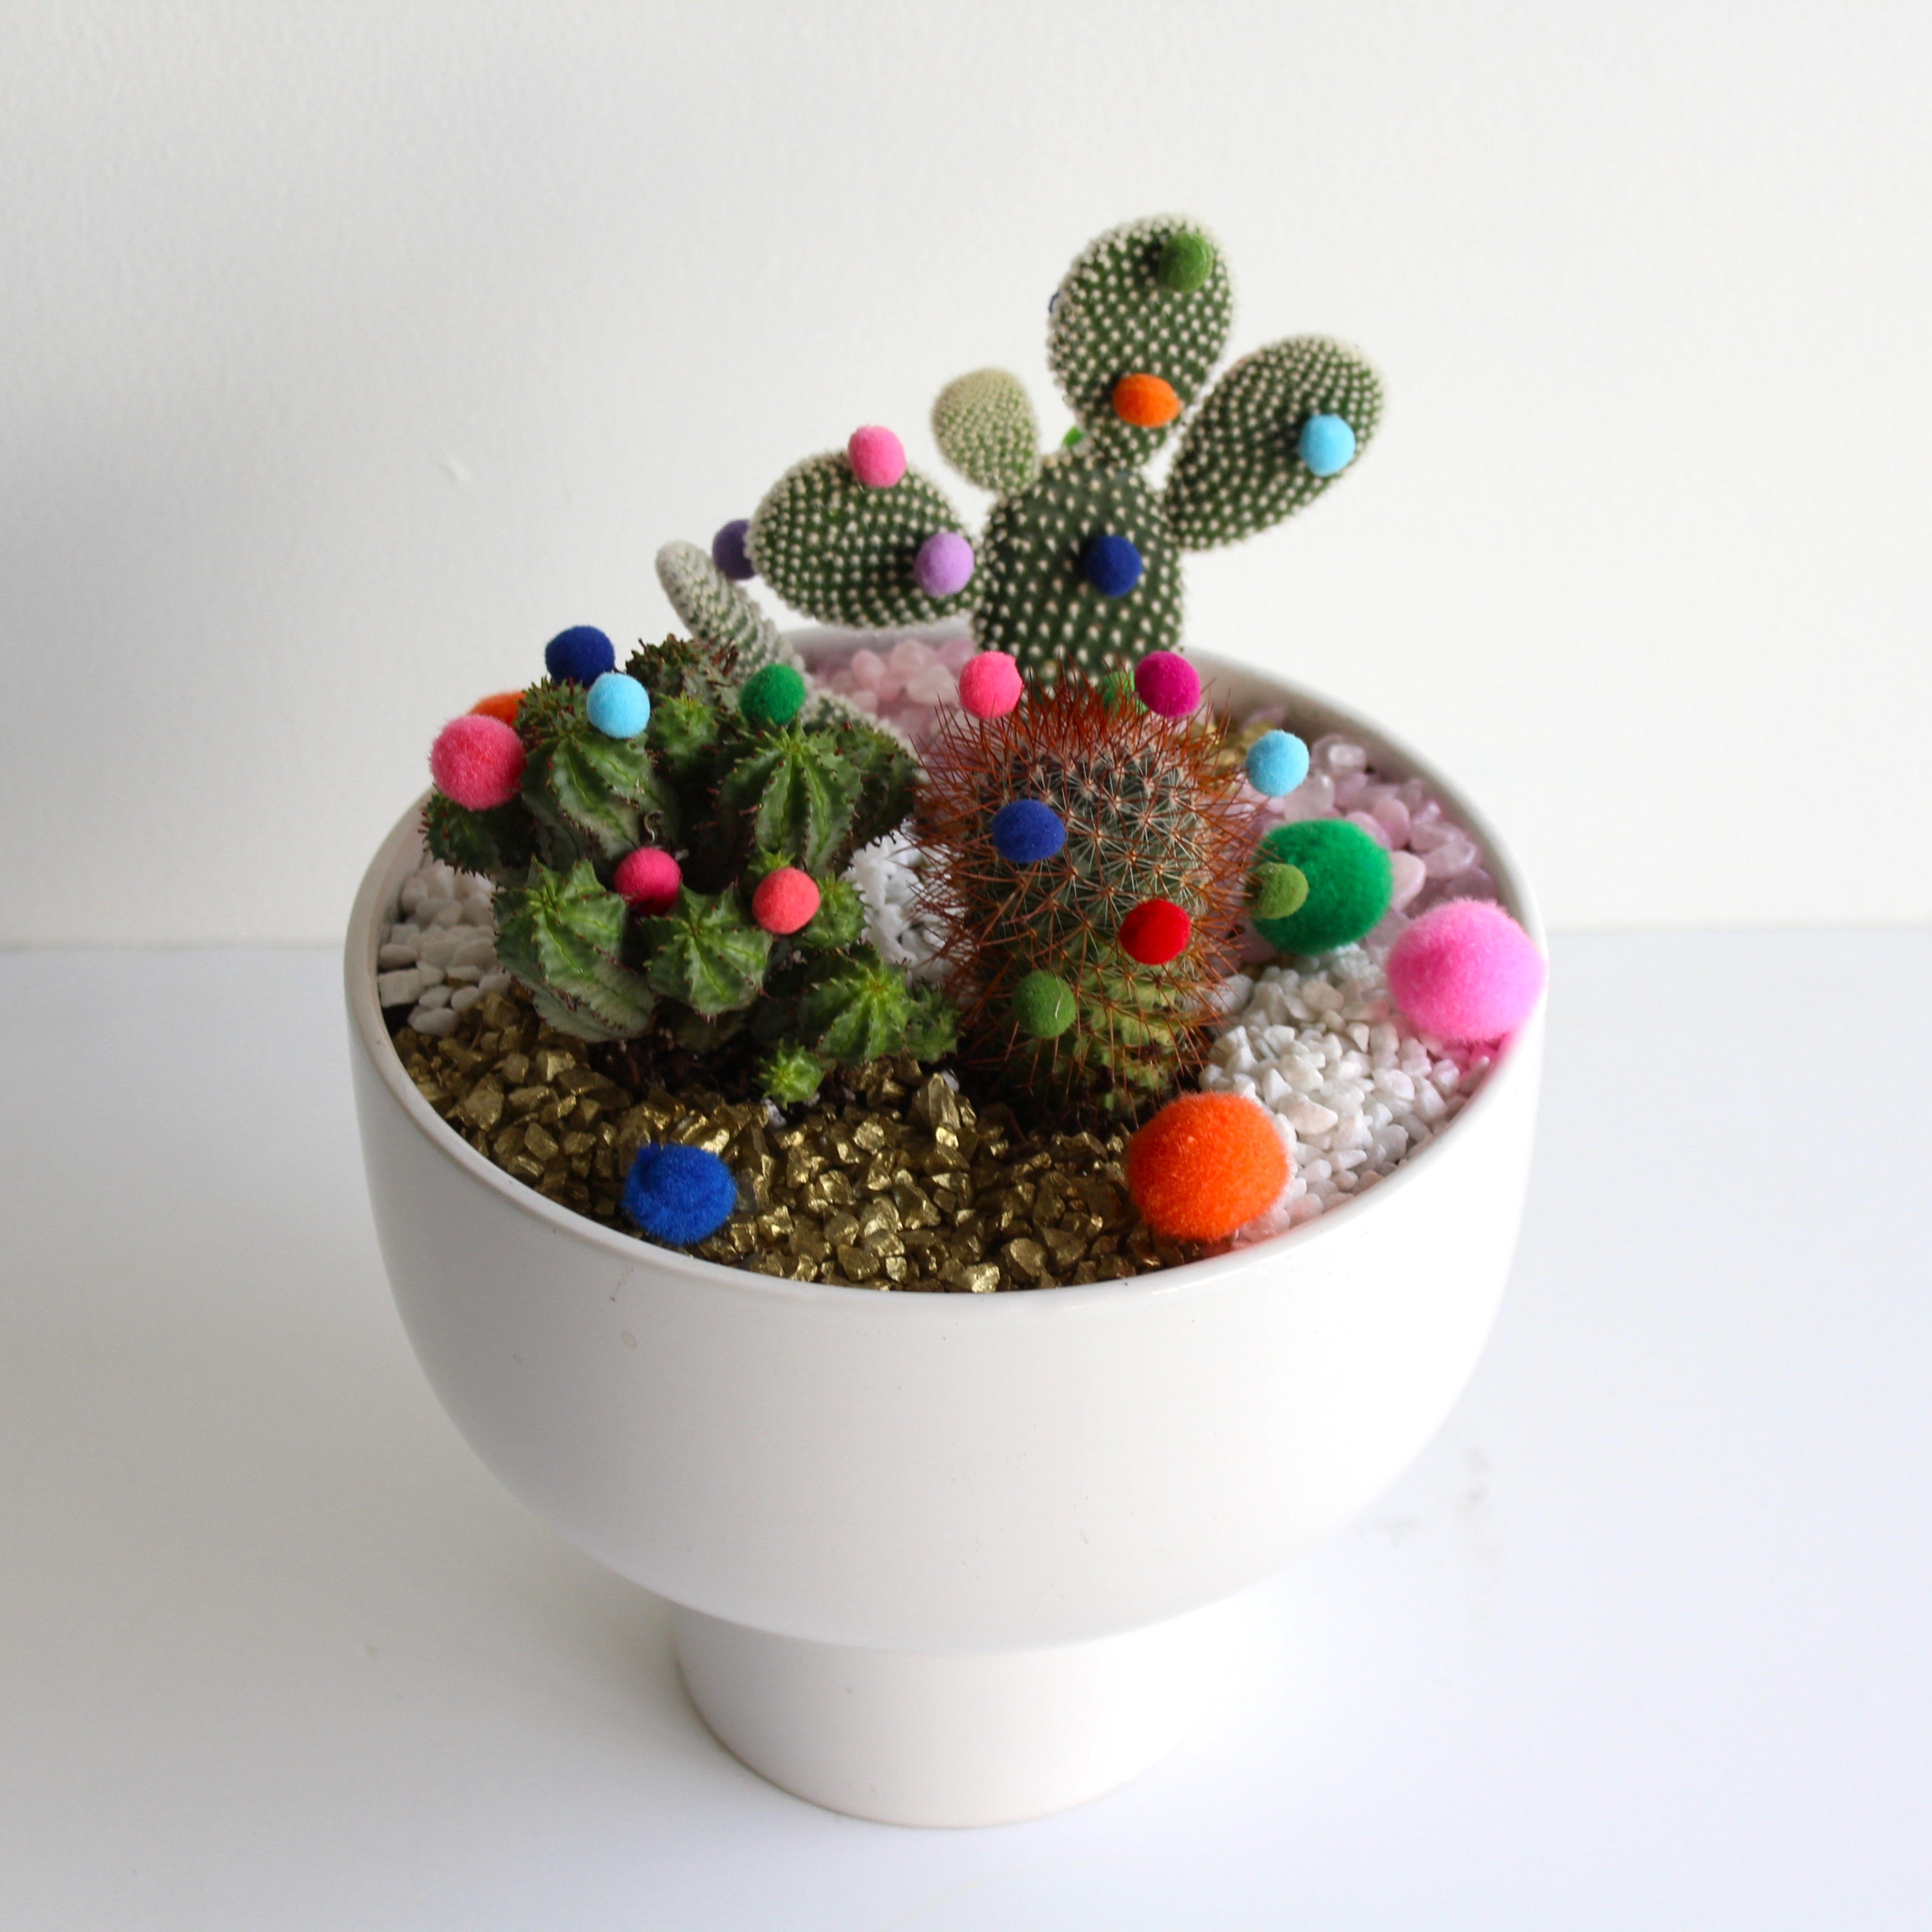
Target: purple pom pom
(944,564)
(729,553)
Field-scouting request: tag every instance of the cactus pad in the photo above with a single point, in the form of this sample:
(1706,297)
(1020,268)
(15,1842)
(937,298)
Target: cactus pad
(1117,314)
(1239,467)
(845,553)
(984,426)
(711,606)
(1035,601)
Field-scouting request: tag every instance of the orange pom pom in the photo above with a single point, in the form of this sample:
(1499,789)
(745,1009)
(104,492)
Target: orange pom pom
(503,705)
(1205,1165)
(1145,401)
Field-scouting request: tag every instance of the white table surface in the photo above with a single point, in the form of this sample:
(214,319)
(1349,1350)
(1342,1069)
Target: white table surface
(1640,1641)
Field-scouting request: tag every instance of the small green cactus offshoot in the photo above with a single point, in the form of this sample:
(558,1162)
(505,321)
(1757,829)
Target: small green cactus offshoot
(1149,302)
(735,789)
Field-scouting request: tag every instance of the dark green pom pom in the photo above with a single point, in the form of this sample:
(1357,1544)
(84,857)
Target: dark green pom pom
(1349,882)
(1186,262)
(1043,1005)
(772,697)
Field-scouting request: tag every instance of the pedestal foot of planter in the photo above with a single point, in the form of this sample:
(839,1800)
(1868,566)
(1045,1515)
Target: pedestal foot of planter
(914,1739)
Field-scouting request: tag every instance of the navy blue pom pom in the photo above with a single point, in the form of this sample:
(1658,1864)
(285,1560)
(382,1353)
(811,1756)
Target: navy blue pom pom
(1026,831)
(579,655)
(1112,565)
(728,551)
(679,1195)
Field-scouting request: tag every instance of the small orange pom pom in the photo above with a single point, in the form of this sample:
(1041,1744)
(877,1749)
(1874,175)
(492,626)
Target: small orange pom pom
(503,705)
(1205,1165)
(1145,401)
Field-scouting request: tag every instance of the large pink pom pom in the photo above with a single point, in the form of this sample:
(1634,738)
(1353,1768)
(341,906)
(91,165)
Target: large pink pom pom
(877,457)
(785,901)
(647,880)
(477,761)
(1168,685)
(990,685)
(1466,971)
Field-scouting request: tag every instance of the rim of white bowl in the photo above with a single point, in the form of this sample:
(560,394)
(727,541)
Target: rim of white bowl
(1307,708)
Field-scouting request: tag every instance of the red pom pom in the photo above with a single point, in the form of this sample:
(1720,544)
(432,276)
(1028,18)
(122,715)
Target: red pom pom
(647,880)
(1466,971)
(1168,685)
(1156,931)
(877,456)
(990,685)
(1205,1165)
(785,900)
(503,704)
(477,761)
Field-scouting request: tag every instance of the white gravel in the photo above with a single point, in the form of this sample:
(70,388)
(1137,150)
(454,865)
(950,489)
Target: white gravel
(439,956)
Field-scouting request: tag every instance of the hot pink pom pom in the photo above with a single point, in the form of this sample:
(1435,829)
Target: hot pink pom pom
(1466,971)
(877,457)
(990,685)
(1168,684)
(785,900)
(477,761)
(648,880)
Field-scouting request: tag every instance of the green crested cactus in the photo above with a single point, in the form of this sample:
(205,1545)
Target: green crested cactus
(726,785)
(1079,564)
(1085,859)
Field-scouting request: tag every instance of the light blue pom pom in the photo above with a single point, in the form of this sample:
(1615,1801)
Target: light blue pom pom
(619,706)
(1327,445)
(1277,762)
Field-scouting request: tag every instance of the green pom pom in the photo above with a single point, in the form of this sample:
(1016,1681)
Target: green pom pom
(772,697)
(1043,1006)
(1349,882)
(1187,261)
(1278,890)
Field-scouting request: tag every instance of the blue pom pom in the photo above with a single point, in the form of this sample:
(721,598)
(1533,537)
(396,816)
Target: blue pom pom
(679,1195)
(728,551)
(619,706)
(1277,762)
(579,655)
(1326,445)
(1112,565)
(1026,831)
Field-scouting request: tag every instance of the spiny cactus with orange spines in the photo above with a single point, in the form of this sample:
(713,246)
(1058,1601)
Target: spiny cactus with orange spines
(1085,971)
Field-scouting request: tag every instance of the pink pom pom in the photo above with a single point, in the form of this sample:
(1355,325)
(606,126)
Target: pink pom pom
(1168,685)
(785,900)
(1466,971)
(990,685)
(477,761)
(877,457)
(944,564)
(647,880)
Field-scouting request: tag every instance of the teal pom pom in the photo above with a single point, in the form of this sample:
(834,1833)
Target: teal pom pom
(772,697)
(679,1195)
(1350,881)
(1326,445)
(1043,1006)
(1277,762)
(619,706)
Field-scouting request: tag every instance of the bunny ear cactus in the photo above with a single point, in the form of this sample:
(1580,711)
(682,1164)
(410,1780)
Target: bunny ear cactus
(1085,858)
(727,775)
(1079,564)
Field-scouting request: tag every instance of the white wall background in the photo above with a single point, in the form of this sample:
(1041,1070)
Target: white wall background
(349,351)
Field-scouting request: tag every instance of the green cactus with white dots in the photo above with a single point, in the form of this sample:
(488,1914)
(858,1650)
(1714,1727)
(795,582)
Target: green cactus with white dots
(1135,331)
(732,777)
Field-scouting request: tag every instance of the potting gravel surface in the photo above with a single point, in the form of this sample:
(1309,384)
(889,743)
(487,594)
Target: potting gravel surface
(1352,1087)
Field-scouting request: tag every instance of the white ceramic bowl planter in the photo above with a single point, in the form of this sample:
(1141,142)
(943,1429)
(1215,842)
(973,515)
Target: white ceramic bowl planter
(933,1557)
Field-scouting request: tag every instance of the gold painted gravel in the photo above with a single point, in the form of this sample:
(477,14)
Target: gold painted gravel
(902,1183)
